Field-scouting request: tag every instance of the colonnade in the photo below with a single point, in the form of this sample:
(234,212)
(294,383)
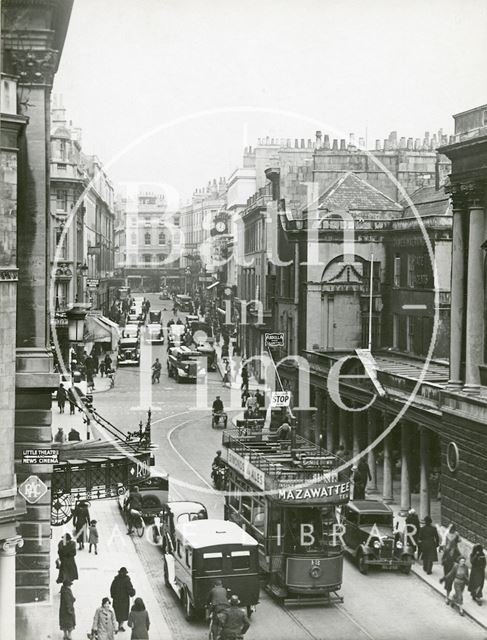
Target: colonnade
(358,430)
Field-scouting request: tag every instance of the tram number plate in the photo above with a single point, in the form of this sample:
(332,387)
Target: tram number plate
(280,399)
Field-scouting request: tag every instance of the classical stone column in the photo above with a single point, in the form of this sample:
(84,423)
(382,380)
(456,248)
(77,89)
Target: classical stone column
(356,436)
(343,417)
(457,290)
(387,487)
(424,462)
(475,296)
(7,587)
(330,424)
(405,476)
(371,434)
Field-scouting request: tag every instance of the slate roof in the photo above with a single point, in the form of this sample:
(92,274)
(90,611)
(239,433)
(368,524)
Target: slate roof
(428,201)
(354,194)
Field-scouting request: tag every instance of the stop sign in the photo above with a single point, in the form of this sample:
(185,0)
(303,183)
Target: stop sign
(32,489)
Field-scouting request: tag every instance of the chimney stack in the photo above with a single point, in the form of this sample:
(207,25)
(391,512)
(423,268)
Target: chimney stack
(417,144)
(402,143)
(335,144)
(393,139)
(326,142)
(303,146)
(296,143)
(352,140)
(343,144)
(310,144)
(410,144)
(318,140)
(387,145)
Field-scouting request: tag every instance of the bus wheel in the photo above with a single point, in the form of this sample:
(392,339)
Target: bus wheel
(188,607)
(362,563)
(166,575)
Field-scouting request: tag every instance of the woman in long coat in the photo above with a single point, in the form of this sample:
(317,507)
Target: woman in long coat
(458,576)
(68,571)
(139,621)
(477,573)
(430,541)
(81,522)
(121,591)
(67,616)
(104,622)
(448,560)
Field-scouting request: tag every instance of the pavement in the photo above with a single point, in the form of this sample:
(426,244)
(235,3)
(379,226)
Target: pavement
(96,572)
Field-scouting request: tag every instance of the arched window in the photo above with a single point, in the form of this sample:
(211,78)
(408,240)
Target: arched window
(162,237)
(147,238)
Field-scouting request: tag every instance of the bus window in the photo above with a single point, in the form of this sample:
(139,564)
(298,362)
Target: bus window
(240,560)
(188,557)
(212,562)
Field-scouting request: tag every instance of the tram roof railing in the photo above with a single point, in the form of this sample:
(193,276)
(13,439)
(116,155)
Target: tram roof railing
(301,462)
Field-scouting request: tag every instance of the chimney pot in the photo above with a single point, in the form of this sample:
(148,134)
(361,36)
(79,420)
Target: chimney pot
(335,144)
(343,144)
(417,144)
(427,135)
(326,142)
(310,143)
(402,143)
(302,143)
(318,136)
(296,143)
(352,139)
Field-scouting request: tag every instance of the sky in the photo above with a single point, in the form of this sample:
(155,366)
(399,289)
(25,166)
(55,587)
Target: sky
(170,91)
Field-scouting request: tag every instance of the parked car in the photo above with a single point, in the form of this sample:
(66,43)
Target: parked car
(154,491)
(370,538)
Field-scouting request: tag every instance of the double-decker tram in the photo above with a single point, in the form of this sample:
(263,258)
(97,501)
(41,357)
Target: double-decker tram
(286,496)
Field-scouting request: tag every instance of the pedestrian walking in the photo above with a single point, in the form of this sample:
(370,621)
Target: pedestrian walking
(477,573)
(451,553)
(245,377)
(93,537)
(67,615)
(365,475)
(358,484)
(139,621)
(81,522)
(459,577)
(104,625)
(101,368)
(72,401)
(96,364)
(61,397)
(68,571)
(430,541)
(121,591)
(412,529)
(107,362)
(60,436)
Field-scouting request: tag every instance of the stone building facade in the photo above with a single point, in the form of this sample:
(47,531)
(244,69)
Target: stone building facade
(33,34)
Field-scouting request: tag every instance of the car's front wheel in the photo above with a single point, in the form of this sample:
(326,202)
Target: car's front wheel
(406,568)
(362,565)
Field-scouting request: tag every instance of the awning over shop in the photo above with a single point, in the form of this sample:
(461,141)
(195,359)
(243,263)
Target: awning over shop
(101,329)
(212,285)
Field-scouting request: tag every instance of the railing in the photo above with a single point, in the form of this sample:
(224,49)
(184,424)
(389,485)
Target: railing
(242,445)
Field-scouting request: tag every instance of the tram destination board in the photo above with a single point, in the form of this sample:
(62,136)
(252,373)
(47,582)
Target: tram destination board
(40,456)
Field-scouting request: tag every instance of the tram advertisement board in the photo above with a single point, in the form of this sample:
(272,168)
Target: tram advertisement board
(246,468)
(334,492)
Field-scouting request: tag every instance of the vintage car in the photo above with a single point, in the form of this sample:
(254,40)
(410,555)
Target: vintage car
(184,303)
(171,515)
(164,295)
(175,333)
(128,351)
(154,491)
(370,538)
(189,320)
(202,551)
(130,331)
(155,333)
(182,364)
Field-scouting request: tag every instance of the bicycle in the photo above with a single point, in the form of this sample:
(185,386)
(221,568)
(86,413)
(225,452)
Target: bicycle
(135,521)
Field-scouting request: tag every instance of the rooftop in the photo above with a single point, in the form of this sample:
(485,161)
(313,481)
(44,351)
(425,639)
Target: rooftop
(211,533)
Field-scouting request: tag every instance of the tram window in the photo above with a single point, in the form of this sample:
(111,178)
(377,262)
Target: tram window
(240,560)
(259,518)
(188,557)
(247,508)
(234,497)
(212,562)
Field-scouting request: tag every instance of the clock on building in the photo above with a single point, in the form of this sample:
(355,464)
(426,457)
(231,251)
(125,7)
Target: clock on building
(220,226)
